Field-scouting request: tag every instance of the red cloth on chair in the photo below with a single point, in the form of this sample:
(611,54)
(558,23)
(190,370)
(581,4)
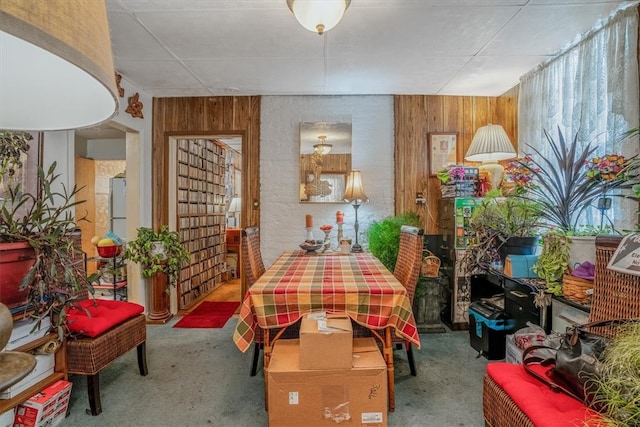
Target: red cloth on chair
(543,406)
(93,317)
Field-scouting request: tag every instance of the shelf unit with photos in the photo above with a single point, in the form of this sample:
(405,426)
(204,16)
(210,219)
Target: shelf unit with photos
(200,211)
(113,280)
(59,370)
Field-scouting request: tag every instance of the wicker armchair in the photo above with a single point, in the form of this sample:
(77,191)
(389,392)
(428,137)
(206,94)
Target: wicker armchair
(253,267)
(615,295)
(406,270)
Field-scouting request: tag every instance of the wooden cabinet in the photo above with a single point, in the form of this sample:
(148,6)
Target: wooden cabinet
(200,210)
(60,371)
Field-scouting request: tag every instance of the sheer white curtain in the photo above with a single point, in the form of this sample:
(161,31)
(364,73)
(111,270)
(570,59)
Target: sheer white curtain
(590,89)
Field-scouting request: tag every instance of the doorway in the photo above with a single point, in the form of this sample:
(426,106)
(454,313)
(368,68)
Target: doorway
(204,208)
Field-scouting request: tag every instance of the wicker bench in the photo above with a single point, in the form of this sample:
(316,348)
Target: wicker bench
(616,295)
(88,356)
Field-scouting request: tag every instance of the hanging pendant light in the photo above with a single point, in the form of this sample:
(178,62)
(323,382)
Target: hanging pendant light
(56,65)
(322,147)
(318,15)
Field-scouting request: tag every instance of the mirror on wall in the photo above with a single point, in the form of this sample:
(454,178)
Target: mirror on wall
(325,160)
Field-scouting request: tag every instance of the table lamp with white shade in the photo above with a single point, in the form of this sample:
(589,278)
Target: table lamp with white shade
(489,145)
(354,193)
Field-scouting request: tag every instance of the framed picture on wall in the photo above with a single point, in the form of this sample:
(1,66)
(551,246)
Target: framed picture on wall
(442,150)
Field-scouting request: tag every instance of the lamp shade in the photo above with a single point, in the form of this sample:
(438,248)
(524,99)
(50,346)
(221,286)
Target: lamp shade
(355,190)
(56,66)
(490,143)
(318,15)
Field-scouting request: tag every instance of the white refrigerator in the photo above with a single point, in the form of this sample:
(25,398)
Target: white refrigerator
(118,206)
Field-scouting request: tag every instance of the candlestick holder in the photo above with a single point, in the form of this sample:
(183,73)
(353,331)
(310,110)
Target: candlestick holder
(339,235)
(327,241)
(310,237)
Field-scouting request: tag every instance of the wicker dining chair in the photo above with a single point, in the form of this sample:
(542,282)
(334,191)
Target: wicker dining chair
(406,270)
(615,296)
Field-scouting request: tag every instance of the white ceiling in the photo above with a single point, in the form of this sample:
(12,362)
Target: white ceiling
(256,47)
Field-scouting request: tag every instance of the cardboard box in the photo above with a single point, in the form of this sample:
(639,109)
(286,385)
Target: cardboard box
(44,367)
(45,407)
(357,397)
(25,331)
(326,344)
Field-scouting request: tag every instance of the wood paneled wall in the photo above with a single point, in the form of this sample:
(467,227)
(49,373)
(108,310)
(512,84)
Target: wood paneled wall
(203,116)
(415,117)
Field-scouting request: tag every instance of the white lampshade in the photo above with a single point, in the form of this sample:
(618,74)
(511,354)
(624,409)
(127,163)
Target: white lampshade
(318,15)
(56,65)
(490,143)
(355,190)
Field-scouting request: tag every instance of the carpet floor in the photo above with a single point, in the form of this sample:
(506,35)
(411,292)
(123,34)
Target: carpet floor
(209,314)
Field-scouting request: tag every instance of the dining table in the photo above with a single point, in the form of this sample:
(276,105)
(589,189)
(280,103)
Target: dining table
(356,284)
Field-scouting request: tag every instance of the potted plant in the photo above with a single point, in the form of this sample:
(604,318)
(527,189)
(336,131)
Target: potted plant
(501,226)
(43,224)
(158,251)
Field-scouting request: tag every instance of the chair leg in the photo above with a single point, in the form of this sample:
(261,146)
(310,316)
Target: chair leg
(93,387)
(142,358)
(412,363)
(256,354)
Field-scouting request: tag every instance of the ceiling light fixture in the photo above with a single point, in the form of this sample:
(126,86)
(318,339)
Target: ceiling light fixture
(322,147)
(318,15)
(57,66)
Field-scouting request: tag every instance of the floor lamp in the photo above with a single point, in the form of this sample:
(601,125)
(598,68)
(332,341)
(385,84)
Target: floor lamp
(354,193)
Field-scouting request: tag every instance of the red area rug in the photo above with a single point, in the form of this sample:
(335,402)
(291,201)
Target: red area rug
(208,314)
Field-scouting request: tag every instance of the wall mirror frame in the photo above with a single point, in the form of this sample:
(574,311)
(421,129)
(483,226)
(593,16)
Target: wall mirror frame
(325,160)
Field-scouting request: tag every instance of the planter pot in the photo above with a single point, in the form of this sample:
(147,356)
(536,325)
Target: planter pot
(581,249)
(518,246)
(15,260)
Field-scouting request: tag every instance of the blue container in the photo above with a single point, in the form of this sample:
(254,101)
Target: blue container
(488,328)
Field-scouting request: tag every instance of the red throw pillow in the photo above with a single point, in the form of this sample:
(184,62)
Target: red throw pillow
(93,317)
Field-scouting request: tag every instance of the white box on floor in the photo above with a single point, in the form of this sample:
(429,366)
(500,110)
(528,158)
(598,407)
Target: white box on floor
(44,367)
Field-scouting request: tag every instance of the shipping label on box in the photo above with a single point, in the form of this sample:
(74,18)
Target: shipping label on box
(44,367)
(309,398)
(326,343)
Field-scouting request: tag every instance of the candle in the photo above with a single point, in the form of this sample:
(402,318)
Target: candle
(339,217)
(308,220)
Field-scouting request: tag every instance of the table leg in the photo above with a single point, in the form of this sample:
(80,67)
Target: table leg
(266,356)
(388,356)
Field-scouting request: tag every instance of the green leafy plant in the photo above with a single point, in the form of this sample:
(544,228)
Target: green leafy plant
(144,251)
(552,261)
(384,243)
(617,388)
(562,183)
(384,236)
(46,222)
(13,144)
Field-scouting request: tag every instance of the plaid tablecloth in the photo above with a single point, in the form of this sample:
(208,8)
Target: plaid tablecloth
(297,284)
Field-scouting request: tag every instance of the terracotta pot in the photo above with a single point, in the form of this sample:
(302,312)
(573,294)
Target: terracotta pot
(15,260)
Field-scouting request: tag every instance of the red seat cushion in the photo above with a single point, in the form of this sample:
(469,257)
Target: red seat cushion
(93,317)
(543,406)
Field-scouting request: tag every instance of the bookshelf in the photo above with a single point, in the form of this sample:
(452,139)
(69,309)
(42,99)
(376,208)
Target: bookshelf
(200,216)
